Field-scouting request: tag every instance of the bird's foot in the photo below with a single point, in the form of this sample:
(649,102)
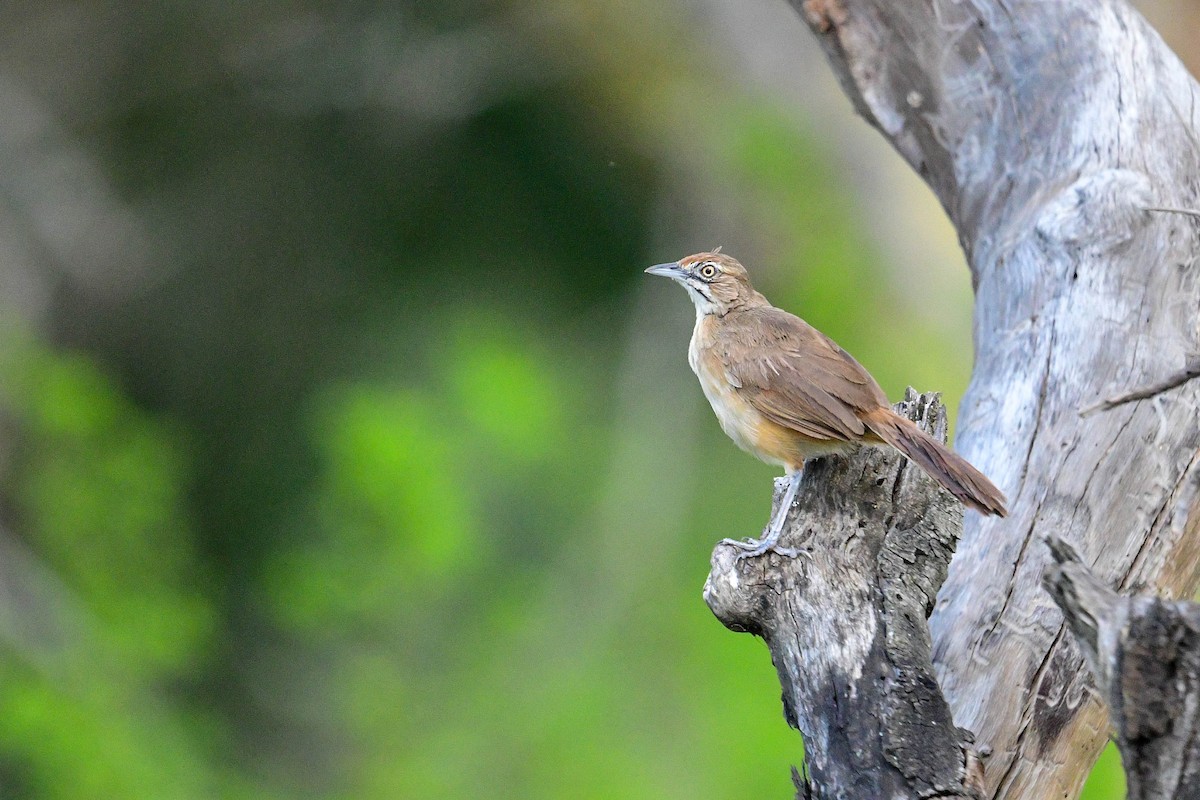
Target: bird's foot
(752,548)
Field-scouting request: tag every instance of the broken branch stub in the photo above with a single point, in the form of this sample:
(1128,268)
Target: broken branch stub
(1145,655)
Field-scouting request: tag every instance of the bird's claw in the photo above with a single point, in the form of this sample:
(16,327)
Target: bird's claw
(752,548)
(742,544)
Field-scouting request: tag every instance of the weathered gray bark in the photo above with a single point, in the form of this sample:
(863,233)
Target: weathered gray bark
(1048,129)
(1145,655)
(846,622)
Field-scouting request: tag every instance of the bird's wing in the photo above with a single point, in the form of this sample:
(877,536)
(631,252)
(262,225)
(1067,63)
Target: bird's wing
(796,376)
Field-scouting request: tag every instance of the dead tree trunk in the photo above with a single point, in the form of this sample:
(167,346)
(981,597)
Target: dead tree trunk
(1049,130)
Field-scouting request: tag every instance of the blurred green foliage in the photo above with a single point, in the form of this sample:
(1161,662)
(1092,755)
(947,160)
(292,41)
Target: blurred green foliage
(120,613)
(383,474)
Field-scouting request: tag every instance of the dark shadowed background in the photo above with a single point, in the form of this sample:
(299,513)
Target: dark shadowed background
(345,450)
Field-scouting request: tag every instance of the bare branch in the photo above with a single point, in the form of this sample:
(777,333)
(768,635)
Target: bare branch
(1190,372)
(1185,211)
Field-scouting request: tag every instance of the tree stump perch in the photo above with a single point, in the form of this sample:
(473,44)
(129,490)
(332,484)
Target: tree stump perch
(845,621)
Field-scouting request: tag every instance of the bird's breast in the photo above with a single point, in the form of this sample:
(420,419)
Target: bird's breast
(738,418)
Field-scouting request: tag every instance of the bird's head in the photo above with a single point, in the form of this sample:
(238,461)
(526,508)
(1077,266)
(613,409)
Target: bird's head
(717,283)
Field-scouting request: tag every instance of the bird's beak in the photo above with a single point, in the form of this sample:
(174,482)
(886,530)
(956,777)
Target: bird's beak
(672,270)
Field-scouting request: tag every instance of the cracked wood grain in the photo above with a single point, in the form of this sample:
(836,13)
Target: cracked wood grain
(846,623)
(1049,130)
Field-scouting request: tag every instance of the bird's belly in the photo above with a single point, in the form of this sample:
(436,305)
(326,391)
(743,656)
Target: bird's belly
(756,434)
(740,421)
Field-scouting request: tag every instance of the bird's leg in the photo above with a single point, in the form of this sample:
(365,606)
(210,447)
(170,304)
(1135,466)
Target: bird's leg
(789,497)
(756,547)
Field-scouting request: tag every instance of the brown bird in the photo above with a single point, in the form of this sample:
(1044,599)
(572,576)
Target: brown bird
(786,392)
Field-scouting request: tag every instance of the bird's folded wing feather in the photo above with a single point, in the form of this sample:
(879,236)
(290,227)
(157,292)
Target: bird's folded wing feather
(796,376)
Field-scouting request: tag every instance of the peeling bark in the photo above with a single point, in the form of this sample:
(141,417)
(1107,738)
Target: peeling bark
(1145,655)
(845,621)
(1048,129)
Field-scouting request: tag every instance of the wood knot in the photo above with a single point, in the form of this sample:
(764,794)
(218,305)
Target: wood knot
(737,591)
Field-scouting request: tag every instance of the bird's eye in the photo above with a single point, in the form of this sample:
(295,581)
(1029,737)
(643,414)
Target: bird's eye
(708,271)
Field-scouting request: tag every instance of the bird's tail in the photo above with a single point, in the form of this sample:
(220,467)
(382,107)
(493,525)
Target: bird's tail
(943,465)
